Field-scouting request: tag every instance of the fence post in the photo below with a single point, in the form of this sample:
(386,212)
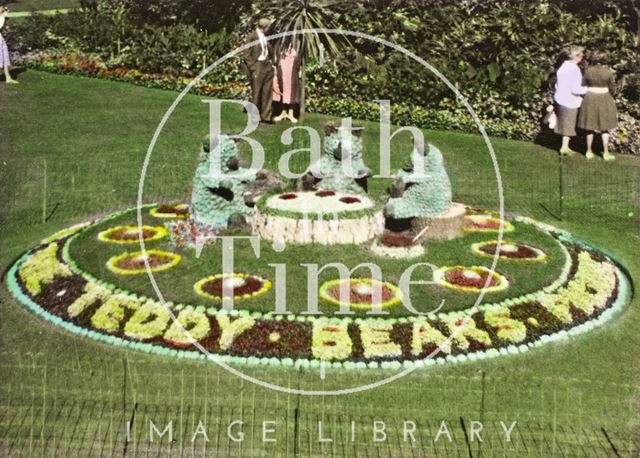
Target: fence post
(482,388)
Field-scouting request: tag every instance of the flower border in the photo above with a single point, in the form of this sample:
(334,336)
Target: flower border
(113,261)
(266,286)
(397,293)
(160,233)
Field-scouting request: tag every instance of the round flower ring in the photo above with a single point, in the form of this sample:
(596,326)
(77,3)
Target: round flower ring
(133,263)
(485,223)
(362,292)
(170,211)
(242,285)
(515,251)
(590,290)
(131,234)
(470,279)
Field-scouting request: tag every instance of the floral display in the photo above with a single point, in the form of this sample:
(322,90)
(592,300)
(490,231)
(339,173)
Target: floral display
(590,290)
(313,202)
(397,252)
(92,66)
(471,279)
(41,268)
(170,211)
(486,223)
(134,263)
(188,233)
(509,250)
(66,232)
(363,293)
(350,200)
(131,234)
(325,193)
(397,239)
(242,286)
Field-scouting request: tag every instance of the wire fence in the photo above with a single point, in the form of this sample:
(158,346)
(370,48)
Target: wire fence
(135,407)
(94,428)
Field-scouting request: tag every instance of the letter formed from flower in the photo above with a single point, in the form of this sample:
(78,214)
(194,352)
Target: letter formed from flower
(331,341)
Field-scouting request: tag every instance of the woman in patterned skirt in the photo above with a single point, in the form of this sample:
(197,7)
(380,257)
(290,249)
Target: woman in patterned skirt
(598,110)
(4,51)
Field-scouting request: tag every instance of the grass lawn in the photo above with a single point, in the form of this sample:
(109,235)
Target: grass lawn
(72,147)
(37,5)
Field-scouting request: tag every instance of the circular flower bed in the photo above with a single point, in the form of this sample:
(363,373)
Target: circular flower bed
(591,290)
(397,245)
(471,279)
(362,293)
(133,263)
(242,286)
(509,250)
(131,234)
(485,223)
(397,239)
(170,211)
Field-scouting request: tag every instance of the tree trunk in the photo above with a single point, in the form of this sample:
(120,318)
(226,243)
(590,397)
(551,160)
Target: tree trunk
(303,88)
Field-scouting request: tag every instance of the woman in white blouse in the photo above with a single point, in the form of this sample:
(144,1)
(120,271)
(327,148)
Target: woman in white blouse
(4,51)
(568,97)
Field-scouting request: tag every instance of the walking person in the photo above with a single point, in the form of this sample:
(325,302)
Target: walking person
(568,97)
(5,63)
(258,61)
(287,83)
(598,110)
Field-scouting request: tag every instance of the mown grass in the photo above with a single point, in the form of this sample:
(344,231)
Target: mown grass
(524,277)
(73,147)
(38,5)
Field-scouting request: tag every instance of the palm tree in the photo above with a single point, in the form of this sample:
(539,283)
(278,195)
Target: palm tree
(296,15)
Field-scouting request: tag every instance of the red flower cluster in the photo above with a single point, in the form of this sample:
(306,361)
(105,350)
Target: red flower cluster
(288,196)
(357,298)
(177,209)
(251,285)
(137,263)
(397,239)
(522,252)
(349,200)
(325,193)
(124,234)
(457,277)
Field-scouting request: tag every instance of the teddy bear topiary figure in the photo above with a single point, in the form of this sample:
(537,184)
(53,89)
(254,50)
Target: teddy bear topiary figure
(342,153)
(422,189)
(217,195)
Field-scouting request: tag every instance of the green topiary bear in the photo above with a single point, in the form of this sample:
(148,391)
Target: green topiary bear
(215,197)
(422,189)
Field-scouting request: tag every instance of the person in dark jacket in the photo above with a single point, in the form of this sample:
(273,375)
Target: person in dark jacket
(598,110)
(260,67)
